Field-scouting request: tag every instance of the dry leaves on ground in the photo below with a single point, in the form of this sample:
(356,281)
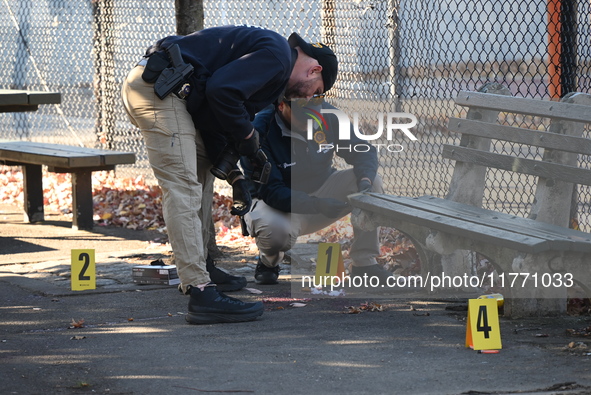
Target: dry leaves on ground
(367,306)
(123,202)
(134,203)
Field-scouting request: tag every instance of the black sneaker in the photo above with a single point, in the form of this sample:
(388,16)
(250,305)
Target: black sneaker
(225,282)
(211,307)
(264,274)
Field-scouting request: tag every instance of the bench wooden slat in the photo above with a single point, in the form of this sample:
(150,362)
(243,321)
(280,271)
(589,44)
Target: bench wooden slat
(440,222)
(62,156)
(559,237)
(48,157)
(121,158)
(521,165)
(36,98)
(520,105)
(48,154)
(537,138)
(10,97)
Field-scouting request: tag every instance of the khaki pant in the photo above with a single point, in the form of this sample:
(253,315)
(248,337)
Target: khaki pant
(179,161)
(276,231)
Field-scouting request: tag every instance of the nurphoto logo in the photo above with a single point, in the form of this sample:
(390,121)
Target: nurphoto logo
(395,122)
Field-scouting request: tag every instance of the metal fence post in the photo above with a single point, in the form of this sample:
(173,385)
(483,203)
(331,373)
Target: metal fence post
(562,47)
(568,38)
(104,69)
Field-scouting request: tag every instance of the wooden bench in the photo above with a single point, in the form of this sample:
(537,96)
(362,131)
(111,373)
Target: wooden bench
(79,161)
(542,245)
(18,100)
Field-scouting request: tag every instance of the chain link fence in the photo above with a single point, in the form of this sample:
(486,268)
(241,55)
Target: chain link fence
(395,56)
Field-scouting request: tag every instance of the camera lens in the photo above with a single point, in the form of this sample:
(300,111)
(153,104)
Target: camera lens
(227,162)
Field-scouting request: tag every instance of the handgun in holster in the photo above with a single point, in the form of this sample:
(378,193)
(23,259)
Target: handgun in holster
(172,78)
(261,168)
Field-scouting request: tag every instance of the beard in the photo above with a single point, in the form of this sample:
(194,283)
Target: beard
(299,89)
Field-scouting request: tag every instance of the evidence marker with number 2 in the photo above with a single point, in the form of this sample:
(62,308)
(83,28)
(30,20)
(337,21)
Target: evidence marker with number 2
(83,270)
(483,331)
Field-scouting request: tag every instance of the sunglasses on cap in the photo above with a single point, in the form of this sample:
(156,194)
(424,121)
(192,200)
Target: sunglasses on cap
(313,101)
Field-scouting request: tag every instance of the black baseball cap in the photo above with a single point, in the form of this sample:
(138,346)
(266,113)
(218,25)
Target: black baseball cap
(323,54)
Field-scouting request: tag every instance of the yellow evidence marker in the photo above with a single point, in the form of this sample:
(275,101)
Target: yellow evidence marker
(83,270)
(329,264)
(483,331)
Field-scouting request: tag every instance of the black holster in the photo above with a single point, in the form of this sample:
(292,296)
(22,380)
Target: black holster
(157,62)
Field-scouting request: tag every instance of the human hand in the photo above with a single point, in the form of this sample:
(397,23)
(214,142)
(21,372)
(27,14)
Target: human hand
(249,146)
(242,200)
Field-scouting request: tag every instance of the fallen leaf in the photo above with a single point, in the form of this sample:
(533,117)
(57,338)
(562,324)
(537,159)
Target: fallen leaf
(76,324)
(584,332)
(372,306)
(77,337)
(130,319)
(353,310)
(577,345)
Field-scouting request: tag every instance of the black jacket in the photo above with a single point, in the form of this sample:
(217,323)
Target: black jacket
(299,168)
(245,68)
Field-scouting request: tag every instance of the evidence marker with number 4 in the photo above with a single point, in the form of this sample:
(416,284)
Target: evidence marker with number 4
(483,331)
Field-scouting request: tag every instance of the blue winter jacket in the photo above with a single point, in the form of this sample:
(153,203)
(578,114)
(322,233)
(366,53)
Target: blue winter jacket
(244,70)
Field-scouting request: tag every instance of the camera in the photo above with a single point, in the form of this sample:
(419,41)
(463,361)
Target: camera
(225,164)
(261,168)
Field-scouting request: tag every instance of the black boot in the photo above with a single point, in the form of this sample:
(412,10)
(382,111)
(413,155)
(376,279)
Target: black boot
(211,307)
(264,274)
(225,282)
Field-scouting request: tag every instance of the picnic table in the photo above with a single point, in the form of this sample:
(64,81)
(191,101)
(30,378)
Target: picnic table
(19,100)
(59,158)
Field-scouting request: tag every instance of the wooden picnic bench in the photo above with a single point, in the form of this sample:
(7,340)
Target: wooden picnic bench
(79,161)
(541,245)
(12,100)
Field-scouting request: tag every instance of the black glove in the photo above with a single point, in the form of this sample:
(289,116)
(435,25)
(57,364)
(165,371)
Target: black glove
(249,147)
(332,208)
(241,198)
(364,185)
